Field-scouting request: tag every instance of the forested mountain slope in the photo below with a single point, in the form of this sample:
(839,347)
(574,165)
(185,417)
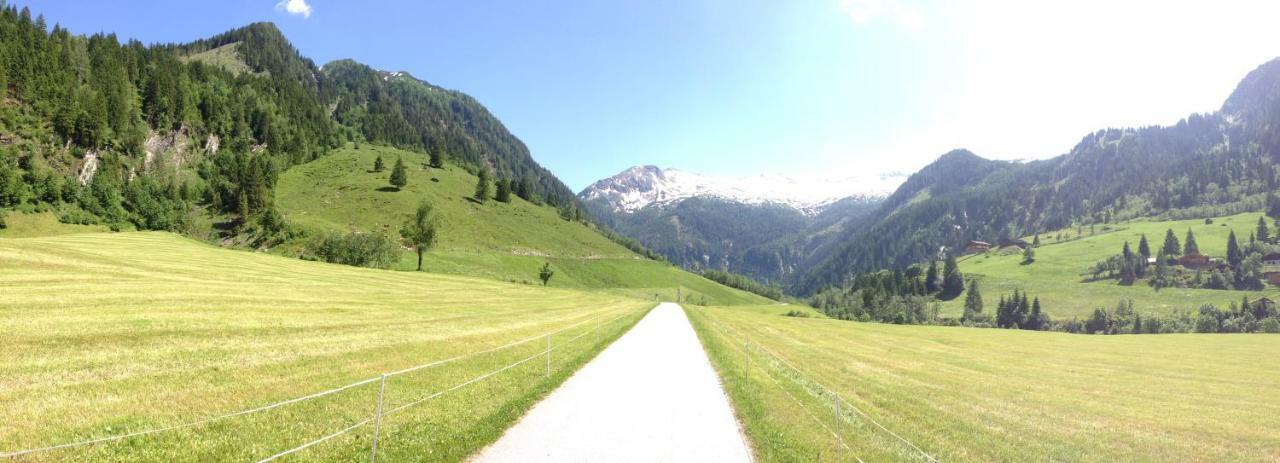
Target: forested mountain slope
(1206,164)
(149,137)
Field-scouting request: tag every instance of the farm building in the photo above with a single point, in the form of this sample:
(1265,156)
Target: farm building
(975,247)
(1194,261)
(1271,259)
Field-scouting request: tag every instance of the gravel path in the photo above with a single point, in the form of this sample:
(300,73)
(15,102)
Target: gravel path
(650,397)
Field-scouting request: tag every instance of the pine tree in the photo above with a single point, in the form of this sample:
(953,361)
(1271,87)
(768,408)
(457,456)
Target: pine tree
(972,301)
(435,159)
(931,278)
(420,230)
(399,175)
(1036,240)
(504,191)
(1036,320)
(1264,234)
(1234,255)
(1189,246)
(1127,253)
(1029,255)
(1171,247)
(952,280)
(378,166)
(482,185)
(1144,249)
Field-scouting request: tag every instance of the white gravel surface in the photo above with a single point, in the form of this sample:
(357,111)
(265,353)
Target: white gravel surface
(652,396)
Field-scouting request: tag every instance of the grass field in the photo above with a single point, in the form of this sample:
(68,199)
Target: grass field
(108,333)
(502,241)
(967,394)
(1059,272)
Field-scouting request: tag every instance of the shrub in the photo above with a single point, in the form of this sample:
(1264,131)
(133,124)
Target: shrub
(1270,325)
(359,249)
(796,313)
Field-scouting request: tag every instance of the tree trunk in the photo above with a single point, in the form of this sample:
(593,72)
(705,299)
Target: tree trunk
(419,259)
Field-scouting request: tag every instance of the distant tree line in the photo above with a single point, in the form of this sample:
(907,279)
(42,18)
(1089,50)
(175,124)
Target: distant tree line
(734,280)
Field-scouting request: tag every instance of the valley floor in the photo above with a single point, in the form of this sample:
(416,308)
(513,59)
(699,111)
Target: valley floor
(917,393)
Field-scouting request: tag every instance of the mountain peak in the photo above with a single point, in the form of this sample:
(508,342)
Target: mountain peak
(638,187)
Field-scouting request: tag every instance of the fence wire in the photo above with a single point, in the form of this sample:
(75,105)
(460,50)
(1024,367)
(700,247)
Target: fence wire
(363,382)
(721,329)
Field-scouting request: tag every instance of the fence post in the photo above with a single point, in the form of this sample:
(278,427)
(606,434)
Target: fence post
(839,441)
(548,355)
(377,420)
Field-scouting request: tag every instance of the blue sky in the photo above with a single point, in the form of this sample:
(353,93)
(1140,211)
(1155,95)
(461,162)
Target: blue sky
(799,87)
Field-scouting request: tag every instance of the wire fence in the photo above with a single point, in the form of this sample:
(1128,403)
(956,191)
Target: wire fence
(547,352)
(817,389)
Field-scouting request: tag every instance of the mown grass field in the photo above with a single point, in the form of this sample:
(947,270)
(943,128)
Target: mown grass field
(967,394)
(1058,276)
(502,241)
(106,334)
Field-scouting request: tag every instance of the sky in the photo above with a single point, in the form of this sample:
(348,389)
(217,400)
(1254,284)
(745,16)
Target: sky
(806,88)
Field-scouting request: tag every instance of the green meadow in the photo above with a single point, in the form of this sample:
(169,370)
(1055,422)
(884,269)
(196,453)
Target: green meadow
(968,394)
(502,241)
(1059,275)
(114,333)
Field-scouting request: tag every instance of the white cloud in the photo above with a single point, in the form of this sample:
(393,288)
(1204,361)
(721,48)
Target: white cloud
(295,7)
(905,16)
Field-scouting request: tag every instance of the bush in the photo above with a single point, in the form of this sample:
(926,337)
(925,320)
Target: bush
(1270,325)
(359,249)
(796,313)
(3,224)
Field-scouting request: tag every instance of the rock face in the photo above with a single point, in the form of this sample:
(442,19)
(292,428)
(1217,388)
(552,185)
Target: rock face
(638,187)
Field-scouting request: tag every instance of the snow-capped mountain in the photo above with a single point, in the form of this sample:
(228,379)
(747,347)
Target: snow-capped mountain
(640,186)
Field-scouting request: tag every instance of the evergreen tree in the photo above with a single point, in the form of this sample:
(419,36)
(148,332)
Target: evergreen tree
(1171,247)
(931,283)
(1029,255)
(545,273)
(1263,234)
(420,230)
(1234,255)
(1189,246)
(972,302)
(399,175)
(435,159)
(1036,240)
(1273,205)
(952,280)
(1127,253)
(1035,321)
(1144,249)
(378,166)
(482,185)
(504,191)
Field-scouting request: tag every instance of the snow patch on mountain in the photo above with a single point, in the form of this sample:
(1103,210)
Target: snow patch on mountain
(640,186)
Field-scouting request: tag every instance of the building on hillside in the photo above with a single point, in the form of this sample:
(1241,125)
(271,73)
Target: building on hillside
(1272,277)
(1194,261)
(1007,242)
(977,247)
(1271,259)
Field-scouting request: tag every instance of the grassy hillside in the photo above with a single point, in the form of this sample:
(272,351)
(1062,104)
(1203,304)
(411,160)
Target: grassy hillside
(964,394)
(1059,272)
(504,241)
(114,333)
